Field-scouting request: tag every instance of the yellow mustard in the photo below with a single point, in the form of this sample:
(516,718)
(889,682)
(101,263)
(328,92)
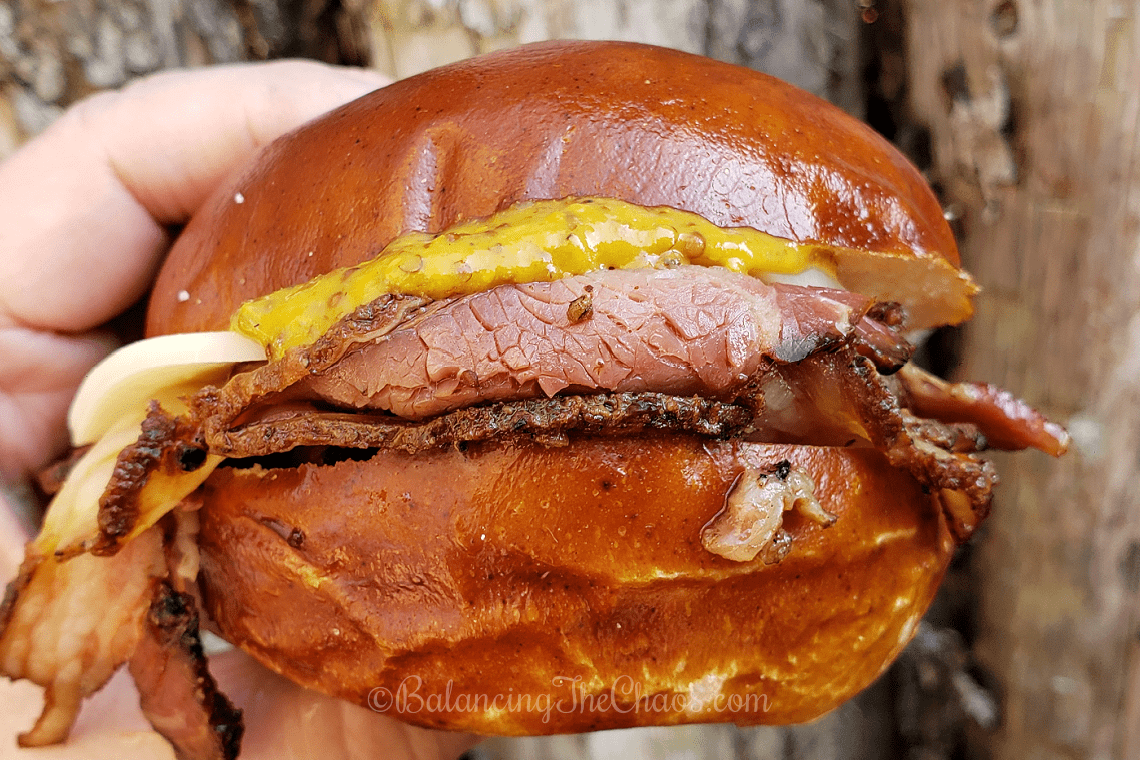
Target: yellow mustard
(533,242)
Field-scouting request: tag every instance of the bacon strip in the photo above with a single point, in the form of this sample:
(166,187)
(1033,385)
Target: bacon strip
(68,625)
(841,399)
(177,693)
(1007,421)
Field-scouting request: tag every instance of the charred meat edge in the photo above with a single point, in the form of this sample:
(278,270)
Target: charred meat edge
(176,691)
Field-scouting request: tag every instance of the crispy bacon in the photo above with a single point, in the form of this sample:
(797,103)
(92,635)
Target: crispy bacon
(1007,421)
(176,691)
(68,625)
(840,399)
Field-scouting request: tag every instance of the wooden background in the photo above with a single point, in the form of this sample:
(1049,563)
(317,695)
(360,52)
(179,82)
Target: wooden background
(1033,108)
(1025,114)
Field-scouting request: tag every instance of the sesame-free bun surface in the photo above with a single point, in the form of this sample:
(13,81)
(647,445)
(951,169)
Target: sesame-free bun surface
(568,574)
(578,571)
(648,125)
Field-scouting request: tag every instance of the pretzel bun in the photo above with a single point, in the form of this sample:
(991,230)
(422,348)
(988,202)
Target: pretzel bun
(573,575)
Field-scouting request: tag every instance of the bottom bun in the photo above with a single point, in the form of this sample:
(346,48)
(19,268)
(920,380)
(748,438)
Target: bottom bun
(522,589)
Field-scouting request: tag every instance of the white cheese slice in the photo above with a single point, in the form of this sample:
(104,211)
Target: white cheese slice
(130,377)
(108,411)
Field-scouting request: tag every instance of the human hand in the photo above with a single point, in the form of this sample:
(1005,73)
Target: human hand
(84,217)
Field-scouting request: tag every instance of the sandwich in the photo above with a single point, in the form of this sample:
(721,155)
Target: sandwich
(560,389)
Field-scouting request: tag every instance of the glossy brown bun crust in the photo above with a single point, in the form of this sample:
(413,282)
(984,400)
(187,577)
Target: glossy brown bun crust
(498,570)
(644,124)
(568,574)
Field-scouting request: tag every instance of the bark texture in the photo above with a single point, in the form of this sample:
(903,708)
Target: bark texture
(54,52)
(1033,106)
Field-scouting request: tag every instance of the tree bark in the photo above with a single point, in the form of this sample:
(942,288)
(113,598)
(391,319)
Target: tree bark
(1033,108)
(53,52)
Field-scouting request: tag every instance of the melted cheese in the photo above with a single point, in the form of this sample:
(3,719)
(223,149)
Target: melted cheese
(124,383)
(108,411)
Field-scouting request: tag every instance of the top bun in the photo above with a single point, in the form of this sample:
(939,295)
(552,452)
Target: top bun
(648,125)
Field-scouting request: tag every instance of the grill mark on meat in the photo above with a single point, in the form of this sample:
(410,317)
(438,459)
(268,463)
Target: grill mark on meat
(683,331)
(176,691)
(547,420)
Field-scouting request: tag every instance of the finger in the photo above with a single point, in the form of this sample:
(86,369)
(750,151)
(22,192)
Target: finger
(284,721)
(110,726)
(83,206)
(38,376)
